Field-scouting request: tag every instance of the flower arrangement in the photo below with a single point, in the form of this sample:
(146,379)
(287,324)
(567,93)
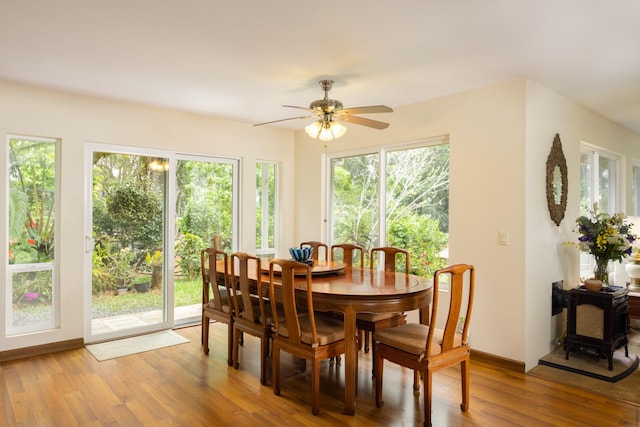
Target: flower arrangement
(606,237)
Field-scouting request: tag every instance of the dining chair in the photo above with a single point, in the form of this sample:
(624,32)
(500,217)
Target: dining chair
(216,303)
(350,254)
(427,349)
(304,335)
(250,312)
(316,250)
(368,323)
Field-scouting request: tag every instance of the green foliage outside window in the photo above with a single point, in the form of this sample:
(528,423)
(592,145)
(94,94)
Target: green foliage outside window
(31,201)
(416,210)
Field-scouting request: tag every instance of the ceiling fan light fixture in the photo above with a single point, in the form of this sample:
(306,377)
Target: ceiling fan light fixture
(313,129)
(325,130)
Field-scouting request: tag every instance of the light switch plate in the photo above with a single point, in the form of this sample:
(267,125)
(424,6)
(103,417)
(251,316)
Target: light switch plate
(503,238)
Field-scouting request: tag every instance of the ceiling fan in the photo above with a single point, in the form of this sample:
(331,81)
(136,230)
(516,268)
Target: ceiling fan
(330,113)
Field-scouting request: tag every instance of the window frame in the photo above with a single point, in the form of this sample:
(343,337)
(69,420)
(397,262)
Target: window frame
(615,197)
(53,266)
(382,153)
(635,187)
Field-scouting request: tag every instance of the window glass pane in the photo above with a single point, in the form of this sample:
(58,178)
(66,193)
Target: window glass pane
(417,205)
(598,183)
(607,185)
(635,188)
(354,205)
(128,204)
(586,180)
(204,216)
(32,297)
(31,221)
(416,209)
(205,205)
(265,208)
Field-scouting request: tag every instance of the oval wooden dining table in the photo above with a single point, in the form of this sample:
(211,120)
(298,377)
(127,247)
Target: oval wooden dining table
(355,290)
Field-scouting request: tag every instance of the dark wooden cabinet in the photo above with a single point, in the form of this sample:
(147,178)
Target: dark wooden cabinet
(597,321)
(634,305)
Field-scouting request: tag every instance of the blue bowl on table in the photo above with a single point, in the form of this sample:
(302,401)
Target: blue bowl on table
(302,254)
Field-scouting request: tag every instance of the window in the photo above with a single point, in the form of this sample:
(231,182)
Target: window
(266,209)
(598,180)
(598,184)
(394,197)
(635,188)
(32,292)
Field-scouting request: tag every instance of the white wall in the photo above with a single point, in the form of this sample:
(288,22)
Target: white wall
(76,120)
(486,135)
(547,259)
(500,137)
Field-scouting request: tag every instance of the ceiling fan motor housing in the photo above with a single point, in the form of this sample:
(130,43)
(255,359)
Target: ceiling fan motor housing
(326,106)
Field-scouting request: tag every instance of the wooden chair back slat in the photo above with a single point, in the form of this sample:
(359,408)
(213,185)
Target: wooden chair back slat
(287,274)
(350,254)
(316,250)
(390,255)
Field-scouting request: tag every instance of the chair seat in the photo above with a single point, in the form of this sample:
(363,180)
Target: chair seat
(411,337)
(329,329)
(375,317)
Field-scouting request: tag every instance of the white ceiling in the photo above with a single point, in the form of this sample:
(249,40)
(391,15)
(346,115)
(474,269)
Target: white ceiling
(244,59)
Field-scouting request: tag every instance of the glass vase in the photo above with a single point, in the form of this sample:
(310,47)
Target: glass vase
(601,270)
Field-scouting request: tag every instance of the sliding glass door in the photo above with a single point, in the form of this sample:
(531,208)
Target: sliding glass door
(206,212)
(127,243)
(151,215)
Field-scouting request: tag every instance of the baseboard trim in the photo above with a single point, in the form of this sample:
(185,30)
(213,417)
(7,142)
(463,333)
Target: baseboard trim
(497,361)
(22,353)
(38,350)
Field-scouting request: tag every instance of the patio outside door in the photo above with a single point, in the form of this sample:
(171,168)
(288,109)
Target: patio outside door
(205,215)
(127,244)
(145,275)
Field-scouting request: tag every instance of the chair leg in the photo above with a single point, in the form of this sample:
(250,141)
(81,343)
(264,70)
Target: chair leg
(205,335)
(230,344)
(236,345)
(264,352)
(204,319)
(427,397)
(315,386)
(464,373)
(378,368)
(373,352)
(275,369)
(416,381)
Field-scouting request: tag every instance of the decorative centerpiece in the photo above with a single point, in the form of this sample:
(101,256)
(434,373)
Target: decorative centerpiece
(302,254)
(607,238)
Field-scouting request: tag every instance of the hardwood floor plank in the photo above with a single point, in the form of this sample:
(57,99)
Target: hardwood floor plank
(180,386)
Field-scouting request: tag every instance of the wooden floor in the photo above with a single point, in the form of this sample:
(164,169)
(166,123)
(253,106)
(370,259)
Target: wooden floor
(180,386)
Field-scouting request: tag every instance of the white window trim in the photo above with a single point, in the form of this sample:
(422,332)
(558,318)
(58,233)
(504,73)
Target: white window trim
(52,266)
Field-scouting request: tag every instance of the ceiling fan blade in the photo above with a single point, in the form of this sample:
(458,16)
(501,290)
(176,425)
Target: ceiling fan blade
(284,120)
(364,122)
(303,108)
(367,110)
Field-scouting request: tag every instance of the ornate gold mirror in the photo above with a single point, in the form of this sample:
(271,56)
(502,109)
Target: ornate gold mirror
(557,181)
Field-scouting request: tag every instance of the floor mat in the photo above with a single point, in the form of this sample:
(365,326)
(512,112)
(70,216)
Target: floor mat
(592,365)
(127,346)
(625,389)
